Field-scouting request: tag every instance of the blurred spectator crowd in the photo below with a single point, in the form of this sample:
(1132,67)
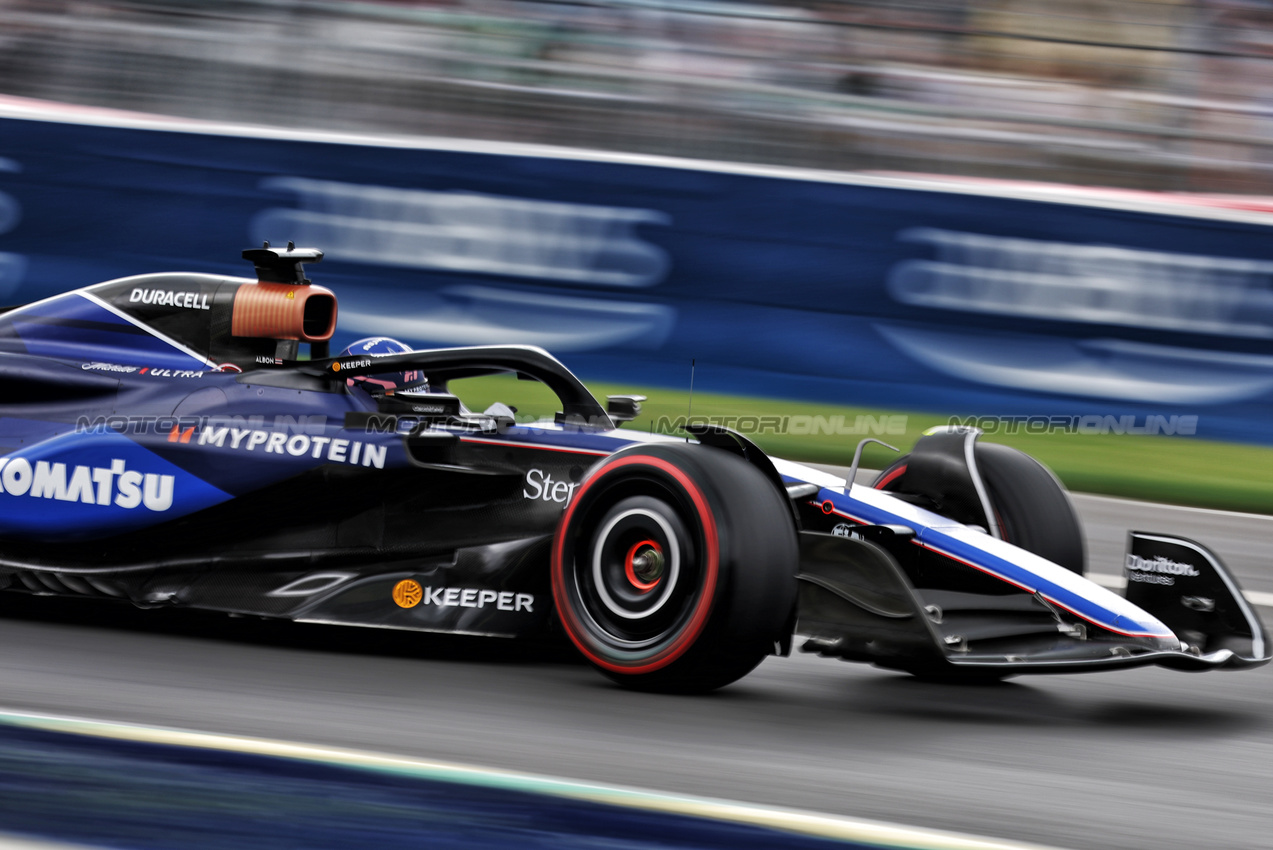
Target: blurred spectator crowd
(1154,94)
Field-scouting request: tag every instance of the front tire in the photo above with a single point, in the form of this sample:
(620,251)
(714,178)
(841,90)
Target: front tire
(674,568)
(1035,511)
(1031,506)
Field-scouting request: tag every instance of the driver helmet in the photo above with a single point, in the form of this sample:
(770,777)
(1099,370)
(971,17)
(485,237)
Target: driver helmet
(391,381)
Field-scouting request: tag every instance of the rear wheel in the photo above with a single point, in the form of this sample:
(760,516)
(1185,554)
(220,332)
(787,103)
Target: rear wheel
(674,568)
(1032,508)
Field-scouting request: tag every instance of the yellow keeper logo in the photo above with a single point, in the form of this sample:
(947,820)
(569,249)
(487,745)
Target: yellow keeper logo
(407,593)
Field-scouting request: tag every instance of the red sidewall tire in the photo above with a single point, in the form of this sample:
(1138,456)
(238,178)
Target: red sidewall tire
(578,630)
(727,589)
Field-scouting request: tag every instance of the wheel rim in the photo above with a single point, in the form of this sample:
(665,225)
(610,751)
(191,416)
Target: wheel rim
(637,576)
(623,592)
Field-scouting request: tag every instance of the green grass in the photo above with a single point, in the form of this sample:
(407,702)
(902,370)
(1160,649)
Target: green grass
(1180,470)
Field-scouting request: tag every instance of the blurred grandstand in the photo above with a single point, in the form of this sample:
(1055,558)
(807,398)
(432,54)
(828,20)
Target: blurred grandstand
(1154,94)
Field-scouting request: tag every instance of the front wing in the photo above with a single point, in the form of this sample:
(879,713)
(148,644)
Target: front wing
(856,603)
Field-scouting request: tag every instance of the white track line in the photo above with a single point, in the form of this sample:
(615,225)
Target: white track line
(1114,582)
(771,817)
(10,841)
(1213,511)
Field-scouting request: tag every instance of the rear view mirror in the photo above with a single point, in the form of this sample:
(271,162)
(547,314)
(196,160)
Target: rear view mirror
(624,408)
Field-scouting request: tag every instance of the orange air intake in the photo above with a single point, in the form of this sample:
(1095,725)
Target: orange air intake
(284,311)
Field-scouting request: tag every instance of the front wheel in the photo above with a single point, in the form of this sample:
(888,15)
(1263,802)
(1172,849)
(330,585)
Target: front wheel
(674,568)
(1032,508)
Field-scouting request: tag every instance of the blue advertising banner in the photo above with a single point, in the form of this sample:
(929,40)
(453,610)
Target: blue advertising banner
(897,293)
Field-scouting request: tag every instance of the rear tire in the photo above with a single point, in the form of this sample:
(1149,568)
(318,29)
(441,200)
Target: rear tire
(674,568)
(1031,506)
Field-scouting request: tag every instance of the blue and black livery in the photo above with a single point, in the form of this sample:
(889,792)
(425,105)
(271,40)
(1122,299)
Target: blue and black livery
(187,439)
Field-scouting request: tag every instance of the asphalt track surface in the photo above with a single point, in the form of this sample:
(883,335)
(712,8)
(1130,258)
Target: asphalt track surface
(1137,759)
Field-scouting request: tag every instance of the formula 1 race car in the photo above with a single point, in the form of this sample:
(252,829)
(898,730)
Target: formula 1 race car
(165,441)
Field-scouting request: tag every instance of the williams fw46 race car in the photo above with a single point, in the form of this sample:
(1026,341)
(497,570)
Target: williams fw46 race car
(163,442)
